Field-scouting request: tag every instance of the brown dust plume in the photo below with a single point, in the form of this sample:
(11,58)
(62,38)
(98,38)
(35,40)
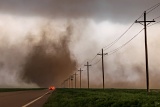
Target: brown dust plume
(48,63)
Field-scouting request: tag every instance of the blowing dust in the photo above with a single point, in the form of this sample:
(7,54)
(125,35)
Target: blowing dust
(48,54)
(48,62)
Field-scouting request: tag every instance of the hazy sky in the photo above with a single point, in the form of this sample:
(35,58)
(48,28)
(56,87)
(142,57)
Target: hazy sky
(51,39)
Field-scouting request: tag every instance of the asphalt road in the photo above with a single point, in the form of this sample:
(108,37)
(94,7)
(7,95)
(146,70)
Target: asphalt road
(23,98)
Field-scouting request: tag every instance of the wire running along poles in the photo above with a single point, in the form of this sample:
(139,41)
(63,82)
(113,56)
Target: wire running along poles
(152,8)
(115,41)
(117,49)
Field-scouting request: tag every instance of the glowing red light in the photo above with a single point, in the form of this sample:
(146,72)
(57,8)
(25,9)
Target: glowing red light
(51,88)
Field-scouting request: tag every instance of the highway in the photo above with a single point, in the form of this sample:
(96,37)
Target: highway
(31,98)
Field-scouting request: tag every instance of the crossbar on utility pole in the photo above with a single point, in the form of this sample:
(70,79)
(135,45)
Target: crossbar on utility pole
(102,54)
(146,47)
(80,75)
(88,72)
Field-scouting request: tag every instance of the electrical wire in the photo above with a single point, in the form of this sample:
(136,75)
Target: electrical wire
(115,41)
(154,24)
(156,18)
(147,11)
(111,44)
(92,70)
(141,16)
(97,61)
(117,49)
(152,8)
(94,57)
(83,63)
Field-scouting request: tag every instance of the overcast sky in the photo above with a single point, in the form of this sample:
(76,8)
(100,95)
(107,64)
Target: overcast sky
(115,10)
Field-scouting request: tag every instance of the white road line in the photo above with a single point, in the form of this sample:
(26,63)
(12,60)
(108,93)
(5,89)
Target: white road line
(35,100)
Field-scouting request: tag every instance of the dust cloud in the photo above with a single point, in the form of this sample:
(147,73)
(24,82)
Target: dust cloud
(48,63)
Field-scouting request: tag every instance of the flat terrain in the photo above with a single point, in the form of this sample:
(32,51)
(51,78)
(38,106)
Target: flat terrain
(19,98)
(103,98)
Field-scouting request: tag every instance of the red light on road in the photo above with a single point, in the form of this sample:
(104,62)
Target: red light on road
(51,88)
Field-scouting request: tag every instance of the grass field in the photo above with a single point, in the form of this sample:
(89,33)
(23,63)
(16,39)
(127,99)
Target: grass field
(18,89)
(103,98)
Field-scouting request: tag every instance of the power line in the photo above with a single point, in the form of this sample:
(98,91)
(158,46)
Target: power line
(94,57)
(140,16)
(83,63)
(152,8)
(115,41)
(148,11)
(90,60)
(154,24)
(97,62)
(112,43)
(115,50)
(156,18)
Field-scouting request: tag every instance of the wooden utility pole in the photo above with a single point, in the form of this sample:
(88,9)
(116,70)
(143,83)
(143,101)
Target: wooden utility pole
(64,83)
(88,72)
(146,48)
(71,81)
(75,78)
(80,75)
(102,65)
(67,82)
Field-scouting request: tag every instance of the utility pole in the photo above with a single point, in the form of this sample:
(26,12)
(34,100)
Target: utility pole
(80,76)
(146,48)
(88,72)
(102,65)
(71,81)
(75,78)
(64,83)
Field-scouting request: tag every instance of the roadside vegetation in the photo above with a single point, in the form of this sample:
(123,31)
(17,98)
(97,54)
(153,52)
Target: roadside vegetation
(103,98)
(18,89)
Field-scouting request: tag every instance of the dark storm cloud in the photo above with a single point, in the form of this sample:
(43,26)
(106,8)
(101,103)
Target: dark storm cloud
(115,10)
